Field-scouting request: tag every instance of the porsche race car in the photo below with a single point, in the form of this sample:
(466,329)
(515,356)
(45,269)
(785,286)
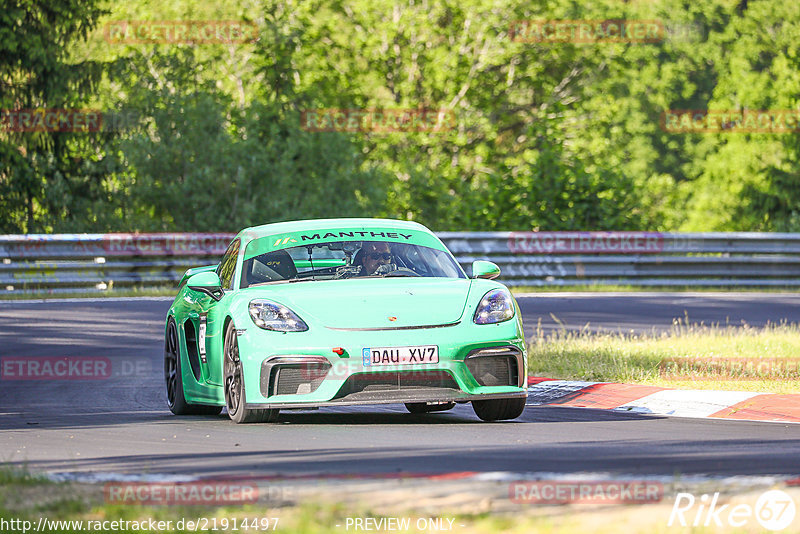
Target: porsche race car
(333,312)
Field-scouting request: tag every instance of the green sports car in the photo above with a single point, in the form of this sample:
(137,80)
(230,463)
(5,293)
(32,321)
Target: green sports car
(335,312)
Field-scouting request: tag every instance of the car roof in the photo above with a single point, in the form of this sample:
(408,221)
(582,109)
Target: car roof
(322,224)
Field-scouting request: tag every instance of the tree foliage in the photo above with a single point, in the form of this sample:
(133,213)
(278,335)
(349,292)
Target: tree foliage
(547,135)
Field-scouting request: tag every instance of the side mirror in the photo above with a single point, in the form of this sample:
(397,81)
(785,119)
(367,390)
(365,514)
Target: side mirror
(191,272)
(485,269)
(206,282)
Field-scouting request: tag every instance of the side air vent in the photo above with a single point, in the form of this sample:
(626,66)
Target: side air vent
(495,366)
(191,348)
(293,375)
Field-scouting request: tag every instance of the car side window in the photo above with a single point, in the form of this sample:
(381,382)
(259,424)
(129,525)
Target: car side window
(227,267)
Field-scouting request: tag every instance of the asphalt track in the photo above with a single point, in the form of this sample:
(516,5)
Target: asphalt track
(121,424)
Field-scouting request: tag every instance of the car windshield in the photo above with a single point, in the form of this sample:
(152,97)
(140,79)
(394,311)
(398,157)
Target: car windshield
(338,260)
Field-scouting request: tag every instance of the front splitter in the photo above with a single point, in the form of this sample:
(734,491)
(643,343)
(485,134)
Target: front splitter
(387,398)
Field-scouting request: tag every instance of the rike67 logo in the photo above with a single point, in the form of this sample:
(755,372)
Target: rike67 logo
(774,510)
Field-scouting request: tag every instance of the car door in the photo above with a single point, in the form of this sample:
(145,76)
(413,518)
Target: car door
(203,328)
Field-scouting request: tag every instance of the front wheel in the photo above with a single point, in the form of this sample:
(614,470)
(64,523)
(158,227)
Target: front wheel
(499,409)
(234,385)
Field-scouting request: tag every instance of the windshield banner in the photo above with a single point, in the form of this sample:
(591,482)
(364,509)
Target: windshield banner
(262,245)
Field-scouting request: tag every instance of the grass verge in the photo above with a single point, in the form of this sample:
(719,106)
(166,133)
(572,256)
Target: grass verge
(736,358)
(74,507)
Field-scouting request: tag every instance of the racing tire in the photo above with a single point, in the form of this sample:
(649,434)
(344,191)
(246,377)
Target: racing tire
(424,407)
(174,379)
(234,385)
(499,409)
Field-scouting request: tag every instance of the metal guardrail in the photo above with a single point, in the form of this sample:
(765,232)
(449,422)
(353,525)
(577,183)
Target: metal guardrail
(82,263)
(724,259)
(98,262)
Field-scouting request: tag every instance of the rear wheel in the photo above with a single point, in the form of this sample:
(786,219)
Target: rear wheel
(174,380)
(234,385)
(424,407)
(499,409)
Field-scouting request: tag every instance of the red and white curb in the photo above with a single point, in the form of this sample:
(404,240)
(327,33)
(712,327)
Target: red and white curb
(743,405)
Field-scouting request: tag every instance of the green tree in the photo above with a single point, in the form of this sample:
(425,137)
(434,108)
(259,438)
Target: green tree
(46,177)
(200,162)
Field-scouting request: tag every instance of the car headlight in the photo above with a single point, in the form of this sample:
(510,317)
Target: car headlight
(496,306)
(273,316)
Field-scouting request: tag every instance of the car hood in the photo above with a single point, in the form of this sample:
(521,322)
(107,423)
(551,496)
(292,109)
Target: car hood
(370,303)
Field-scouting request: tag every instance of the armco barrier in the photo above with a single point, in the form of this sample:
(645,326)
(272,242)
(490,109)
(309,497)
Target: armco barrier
(96,262)
(68,263)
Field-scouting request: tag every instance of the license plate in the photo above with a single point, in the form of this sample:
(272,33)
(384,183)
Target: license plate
(400,355)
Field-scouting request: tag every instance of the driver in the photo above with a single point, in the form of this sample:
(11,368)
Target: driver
(373,255)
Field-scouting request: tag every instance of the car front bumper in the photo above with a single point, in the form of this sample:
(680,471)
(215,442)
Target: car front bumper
(344,379)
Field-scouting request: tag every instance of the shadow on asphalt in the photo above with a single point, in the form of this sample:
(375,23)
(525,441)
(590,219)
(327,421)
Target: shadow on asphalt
(52,418)
(616,457)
